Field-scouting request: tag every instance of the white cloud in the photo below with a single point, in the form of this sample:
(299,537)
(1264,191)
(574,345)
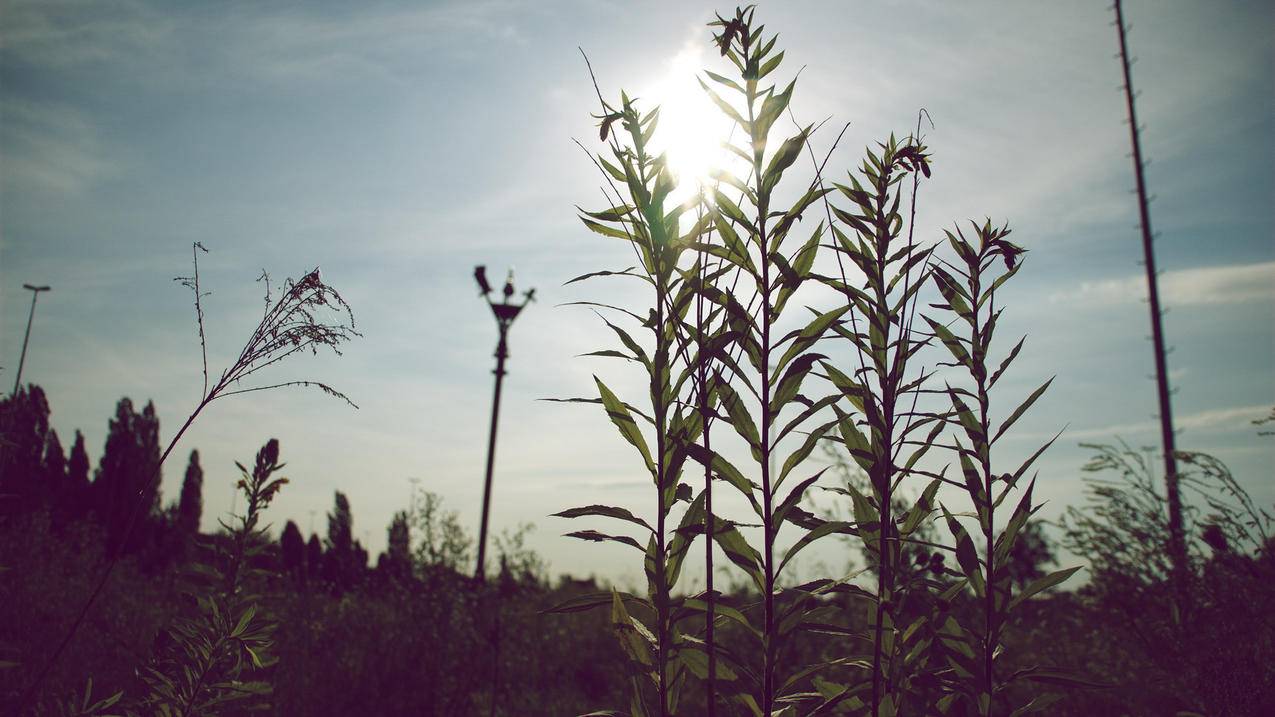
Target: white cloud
(1212,421)
(50,146)
(1185,287)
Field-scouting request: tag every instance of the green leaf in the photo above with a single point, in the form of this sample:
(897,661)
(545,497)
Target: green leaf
(623,420)
(783,159)
(606,511)
(1040,584)
(950,340)
(739,552)
(828,528)
(1021,408)
(808,335)
(771,108)
(631,633)
(588,601)
(739,418)
(605,230)
(725,106)
(966,554)
(595,536)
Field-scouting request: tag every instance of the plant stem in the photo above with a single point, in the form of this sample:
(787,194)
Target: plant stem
(28,696)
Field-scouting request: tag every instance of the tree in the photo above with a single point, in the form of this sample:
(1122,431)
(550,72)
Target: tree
(75,497)
(191,506)
(1029,555)
(292,549)
(129,464)
(54,463)
(24,422)
(313,556)
(443,541)
(397,558)
(340,559)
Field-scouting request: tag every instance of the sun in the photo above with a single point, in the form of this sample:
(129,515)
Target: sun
(691,128)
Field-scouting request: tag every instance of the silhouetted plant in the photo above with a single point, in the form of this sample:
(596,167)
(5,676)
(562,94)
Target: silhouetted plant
(1213,655)
(209,660)
(763,401)
(301,318)
(127,481)
(968,287)
(191,505)
(292,550)
(640,184)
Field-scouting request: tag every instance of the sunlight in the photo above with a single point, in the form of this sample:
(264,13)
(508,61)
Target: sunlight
(691,128)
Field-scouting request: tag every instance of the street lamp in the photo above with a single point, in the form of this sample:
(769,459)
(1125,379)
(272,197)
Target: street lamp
(505,313)
(35,294)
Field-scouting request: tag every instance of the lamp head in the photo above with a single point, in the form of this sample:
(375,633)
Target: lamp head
(480,275)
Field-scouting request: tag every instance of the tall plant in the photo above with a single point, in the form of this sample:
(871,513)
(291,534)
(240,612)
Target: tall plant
(968,286)
(210,658)
(881,273)
(639,187)
(763,401)
(306,316)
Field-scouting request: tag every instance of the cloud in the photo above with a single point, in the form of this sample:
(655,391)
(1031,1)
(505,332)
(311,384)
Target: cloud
(73,32)
(49,146)
(1205,286)
(1217,420)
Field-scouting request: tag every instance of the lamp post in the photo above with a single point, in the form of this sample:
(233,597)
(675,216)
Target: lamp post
(505,313)
(35,294)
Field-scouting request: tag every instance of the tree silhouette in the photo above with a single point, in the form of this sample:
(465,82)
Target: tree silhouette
(1032,551)
(129,465)
(24,420)
(341,556)
(75,498)
(313,557)
(54,463)
(191,506)
(292,549)
(396,561)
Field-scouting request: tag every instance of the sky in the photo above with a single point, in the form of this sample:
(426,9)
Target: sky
(398,145)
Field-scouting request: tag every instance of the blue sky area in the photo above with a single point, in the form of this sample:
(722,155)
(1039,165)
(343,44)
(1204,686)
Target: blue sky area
(396,145)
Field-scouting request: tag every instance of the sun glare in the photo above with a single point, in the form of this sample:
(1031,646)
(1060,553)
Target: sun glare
(691,128)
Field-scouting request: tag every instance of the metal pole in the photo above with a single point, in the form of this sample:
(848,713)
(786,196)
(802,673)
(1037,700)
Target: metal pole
(1177,542)
(35,294)
(502,351)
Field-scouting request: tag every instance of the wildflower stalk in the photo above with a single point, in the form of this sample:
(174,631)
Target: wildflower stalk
(291,323)
(968,287)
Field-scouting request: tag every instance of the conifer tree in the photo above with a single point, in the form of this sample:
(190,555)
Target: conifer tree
(292,549)
(191,506)
(398,553)
(24,421)
(54,464)
(75,497)
(339,557)
(129,464)
(313,556)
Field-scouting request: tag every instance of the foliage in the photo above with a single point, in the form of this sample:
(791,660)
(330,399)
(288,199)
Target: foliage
(748,360)
(24,422)
(191,504)
(1215,656)
(209,659)
(301,318)
(442,541)
(126,483)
